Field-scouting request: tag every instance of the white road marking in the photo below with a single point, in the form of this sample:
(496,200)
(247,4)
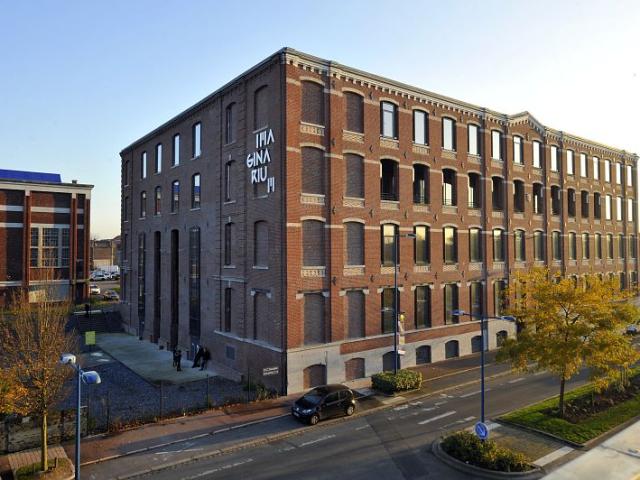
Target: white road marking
(317,440)
(457,422)
(550,457)
(468,419)
(287,449)
(215,470)
(516,380)
(179,451)
(470,394)
(492,425)
(363,427)
(415,404)
(437,404)
(428,409)
(541,372)
(437,417)
(401,407)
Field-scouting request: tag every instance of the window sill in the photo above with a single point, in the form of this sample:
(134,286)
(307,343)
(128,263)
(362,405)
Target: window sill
(260,267)
(194,209)
(230,143)
(196,157)
(229,266)
(141,218)
(229,202)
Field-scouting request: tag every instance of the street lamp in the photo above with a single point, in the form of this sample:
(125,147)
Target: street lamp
(483,319)
(396,300)
(90,378)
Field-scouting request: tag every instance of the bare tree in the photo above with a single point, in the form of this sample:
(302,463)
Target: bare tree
(33,335)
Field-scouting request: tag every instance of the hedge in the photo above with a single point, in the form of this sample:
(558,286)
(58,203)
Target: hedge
(387,382)
(468,448)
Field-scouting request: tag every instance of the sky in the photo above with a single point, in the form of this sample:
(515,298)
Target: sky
(81,80)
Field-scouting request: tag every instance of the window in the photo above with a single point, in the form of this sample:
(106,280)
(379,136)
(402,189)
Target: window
(518,196)
(584,204)
(474,139)
(125,173)
(475,298)
(630,209)
(555,165)
(389,233)
(420,125)
(158,201)
(596,168)
(227,180)
(597,206)
(143,165)
(354,112)
(619,209)
(598,245)
(538,199)
(556,245)
(475,245)
(355,314)
(497,193)
(556,200)
(313,254)
(517,151)
(448,133)
(629,176)
(496,141)
(196,140)
(228,239)
(261,107)
(618,173)
(422,299)
(194,281)
(313,171)
(195,190)
(388,310)
(143,204)
(476,344)
(498,245)
(449,190)
(450,245)
(451,349)
(450,303)
(354,175)
(519,246)
(609,246)
(261,244)
(571,170)
(607,171)
(49,247)
(229,123)
(421,249)
(312,103)
(227,309)
(501,337)
(633,246)
(389,180)
(420,184)
(474,190)
(125,209)
(141,277)
(158,166)
(583,165)
(176,150)
(621,251)
(607,207)
(175,196)
(586,254)
(571,202)
(572,246)
(537,163)
(538,246)
(354,243)
(423,355)
(388,120)
(499,300)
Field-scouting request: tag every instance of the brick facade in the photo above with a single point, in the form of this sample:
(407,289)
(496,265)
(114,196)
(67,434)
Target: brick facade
(321,220)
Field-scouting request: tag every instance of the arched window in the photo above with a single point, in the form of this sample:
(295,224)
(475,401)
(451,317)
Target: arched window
(388,362)
(451,349)
(313,171)
(354,369)
(354,243)
(313,243)
(423,355)
(230,123)
(449,188)
(354,176)
(260,107)
(312,103)
(501,337)
(314,375)
(389,180)
(354,121)
(476,344)
(261,244)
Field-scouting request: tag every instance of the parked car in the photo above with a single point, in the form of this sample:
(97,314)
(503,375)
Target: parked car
(94,289)
(632,329)
(111,295)
(97,276)
(324,402)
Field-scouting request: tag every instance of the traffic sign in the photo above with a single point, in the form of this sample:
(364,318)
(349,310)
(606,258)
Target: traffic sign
(481,431)
(90,337)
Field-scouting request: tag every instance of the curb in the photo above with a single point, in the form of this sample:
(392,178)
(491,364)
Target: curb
(436,449)
(578,446)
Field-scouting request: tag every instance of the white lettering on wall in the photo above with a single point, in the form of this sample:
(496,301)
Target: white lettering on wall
(259,160)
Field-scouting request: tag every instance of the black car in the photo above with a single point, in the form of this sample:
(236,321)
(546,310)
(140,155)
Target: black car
(324,402)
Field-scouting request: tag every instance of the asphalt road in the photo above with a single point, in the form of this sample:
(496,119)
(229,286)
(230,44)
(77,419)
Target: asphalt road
(393,443)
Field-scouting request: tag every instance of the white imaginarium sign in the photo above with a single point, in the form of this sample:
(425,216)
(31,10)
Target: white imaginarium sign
(258,162)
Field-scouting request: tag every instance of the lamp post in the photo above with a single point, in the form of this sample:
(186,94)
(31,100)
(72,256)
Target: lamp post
(483,319)
(396,299)
(90,378)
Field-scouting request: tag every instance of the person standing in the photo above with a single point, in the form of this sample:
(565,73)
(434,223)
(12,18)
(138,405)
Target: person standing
(179,361)
(197,358)
(175,357)
(206,356)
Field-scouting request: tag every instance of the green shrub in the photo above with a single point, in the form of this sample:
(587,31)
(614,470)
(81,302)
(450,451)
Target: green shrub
(468,448)
(387,382)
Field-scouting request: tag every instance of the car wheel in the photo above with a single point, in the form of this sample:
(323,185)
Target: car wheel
(314,419)
(350,410)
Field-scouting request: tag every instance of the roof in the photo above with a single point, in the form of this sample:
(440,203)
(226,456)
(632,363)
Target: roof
(25,176)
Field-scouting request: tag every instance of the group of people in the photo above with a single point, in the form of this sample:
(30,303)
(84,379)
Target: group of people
(203,355)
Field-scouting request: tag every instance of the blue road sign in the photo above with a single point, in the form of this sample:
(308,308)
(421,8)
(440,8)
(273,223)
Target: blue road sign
(481,431)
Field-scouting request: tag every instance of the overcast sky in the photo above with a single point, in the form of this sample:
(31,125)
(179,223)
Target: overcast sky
(81,80)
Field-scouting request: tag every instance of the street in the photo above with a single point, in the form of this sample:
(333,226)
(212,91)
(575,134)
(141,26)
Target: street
(392,443)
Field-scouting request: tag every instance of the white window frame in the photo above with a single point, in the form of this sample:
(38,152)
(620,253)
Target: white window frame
(571,163)
(583,165)
(472,138)
(496,144)
(596,168)
(536,149)
(607,170)
(607,207)
(448,133)
(554,159)
(629,176)
(618,173)
(619,209)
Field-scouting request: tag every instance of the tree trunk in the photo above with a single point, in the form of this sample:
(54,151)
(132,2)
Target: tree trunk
(44,453)
(561,402)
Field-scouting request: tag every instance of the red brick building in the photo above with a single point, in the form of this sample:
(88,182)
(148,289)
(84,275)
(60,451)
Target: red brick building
(263,221)
(44,224)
